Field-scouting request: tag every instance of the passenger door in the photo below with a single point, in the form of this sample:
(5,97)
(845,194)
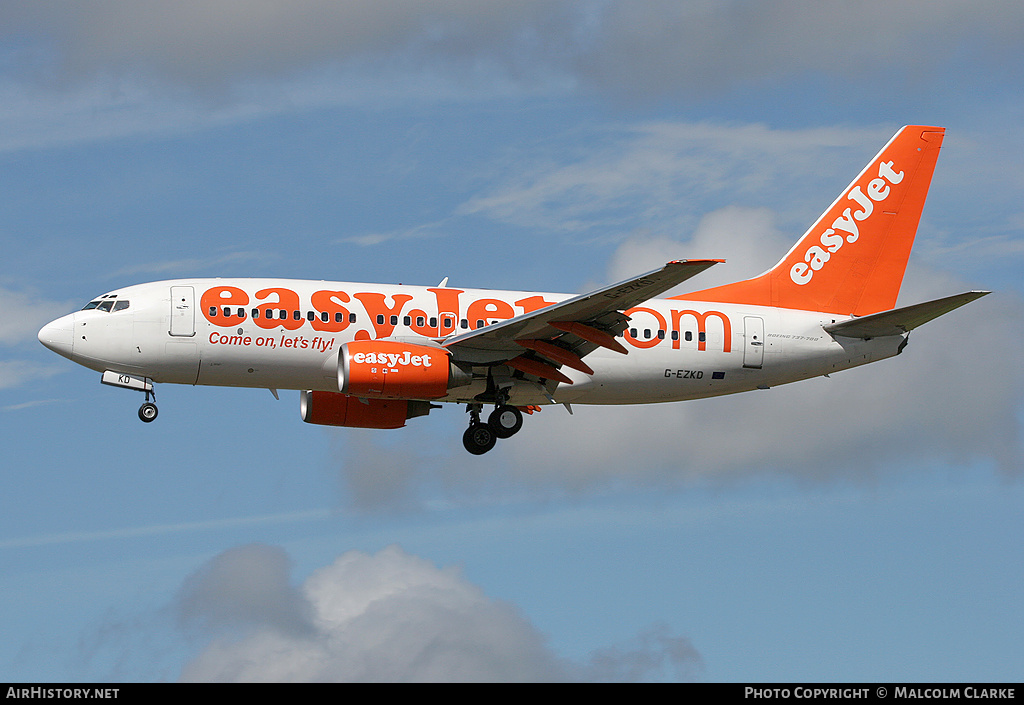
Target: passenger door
(183,317)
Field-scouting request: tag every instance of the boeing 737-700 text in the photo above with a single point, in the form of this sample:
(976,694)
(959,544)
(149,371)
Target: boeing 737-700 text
(375,355)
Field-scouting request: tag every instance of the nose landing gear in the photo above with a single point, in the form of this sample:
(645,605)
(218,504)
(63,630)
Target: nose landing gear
(148,410)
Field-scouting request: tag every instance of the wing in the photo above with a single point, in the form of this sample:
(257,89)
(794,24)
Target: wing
(565,332)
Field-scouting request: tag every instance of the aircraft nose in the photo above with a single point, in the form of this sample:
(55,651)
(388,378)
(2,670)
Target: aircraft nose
(59,335)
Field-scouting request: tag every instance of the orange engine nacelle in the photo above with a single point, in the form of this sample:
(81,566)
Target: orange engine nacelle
(334,409)
(386,369)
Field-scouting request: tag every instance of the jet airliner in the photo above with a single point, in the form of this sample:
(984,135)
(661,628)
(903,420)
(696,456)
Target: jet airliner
(377,355)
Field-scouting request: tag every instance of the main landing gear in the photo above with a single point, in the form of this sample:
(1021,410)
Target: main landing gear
(504,422)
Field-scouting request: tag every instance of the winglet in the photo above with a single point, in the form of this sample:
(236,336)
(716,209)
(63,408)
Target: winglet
(852,260)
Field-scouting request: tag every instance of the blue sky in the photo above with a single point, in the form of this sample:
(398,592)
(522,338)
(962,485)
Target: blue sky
(863,527)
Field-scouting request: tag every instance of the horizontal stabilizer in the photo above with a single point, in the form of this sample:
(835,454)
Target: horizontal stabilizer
(901,320)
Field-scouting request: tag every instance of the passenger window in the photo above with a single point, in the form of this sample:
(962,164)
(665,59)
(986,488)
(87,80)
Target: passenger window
(213,312)
(326,317)
(675,335)
(632,333)
(689,335)
(463,324)
(479,323)
(647,333)
(227,312)
(297,315)
(310,316)
(394,320)
(407,321)
(241,312)
(433,322)
(419,320)
(255,313)
(351,318)
(338,317)
(282,314)
(702,336)
(661,335)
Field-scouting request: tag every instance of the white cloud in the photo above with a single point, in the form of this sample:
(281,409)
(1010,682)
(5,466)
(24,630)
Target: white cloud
(388,617)
(248,585)
(376,476)
(661,46)
(744,237)
(218,42)
(25,313)
(654,177)
(155,529)
(194,264)
(422,231)
(14,373)
(28,405)
(32,117)
(645,47)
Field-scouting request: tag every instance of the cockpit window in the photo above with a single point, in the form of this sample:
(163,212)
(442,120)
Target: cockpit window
(107,304)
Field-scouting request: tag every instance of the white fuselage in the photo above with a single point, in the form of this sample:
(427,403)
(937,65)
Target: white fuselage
(286,334)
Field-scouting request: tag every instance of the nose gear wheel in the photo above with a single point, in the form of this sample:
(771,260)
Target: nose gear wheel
(148,412)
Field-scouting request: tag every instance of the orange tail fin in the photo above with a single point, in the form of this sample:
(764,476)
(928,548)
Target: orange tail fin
(852,259)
